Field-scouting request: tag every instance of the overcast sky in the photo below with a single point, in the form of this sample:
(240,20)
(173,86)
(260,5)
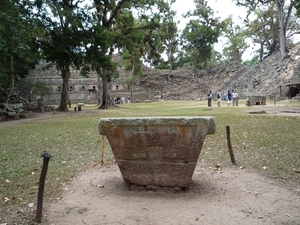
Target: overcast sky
(222,9)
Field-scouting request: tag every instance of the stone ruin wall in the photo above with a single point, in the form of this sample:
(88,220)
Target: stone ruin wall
(81,89)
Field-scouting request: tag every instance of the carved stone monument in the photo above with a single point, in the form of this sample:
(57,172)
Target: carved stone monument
(256,100)
(161,151)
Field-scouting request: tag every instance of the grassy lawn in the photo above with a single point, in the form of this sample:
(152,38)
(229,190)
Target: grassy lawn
(269,144)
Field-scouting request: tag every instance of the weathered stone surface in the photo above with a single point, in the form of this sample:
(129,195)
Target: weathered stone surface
(160,151)
(11,109)
(9,113)
(256,100)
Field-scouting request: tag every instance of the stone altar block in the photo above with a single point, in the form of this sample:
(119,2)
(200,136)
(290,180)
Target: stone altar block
(256,100)
(161,151)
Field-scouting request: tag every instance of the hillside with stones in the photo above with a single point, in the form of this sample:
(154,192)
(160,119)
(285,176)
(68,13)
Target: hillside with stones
(183,84)
(261,79)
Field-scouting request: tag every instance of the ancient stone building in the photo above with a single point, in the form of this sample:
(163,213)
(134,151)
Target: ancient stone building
(81,89)
(84,89)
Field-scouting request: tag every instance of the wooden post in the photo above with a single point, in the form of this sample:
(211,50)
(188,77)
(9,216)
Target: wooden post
(102,152)
(229,145)
(39,210)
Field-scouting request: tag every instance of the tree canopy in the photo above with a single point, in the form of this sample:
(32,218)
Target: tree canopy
(17,42)
(84,35)
(200,34)
(61,44)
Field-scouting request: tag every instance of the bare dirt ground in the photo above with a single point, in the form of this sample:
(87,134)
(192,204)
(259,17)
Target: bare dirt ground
(231,195)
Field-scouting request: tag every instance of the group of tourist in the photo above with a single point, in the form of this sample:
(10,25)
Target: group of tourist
(228,96)
(119,100)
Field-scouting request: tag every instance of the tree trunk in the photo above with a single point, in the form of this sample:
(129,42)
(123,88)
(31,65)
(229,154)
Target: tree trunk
(205,60)
(171,64)
(12,77)
(195,62)
(99,90)
(131,85)
(65,88)
(104,103)
(282,33)
(261,51)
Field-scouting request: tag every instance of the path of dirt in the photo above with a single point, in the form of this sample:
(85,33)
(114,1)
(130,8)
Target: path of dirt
(234,195)
(35,116)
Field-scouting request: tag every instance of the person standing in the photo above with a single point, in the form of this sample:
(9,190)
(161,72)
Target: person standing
(229,97)
(209,98)
(219,97)
(235,98)
(225,96)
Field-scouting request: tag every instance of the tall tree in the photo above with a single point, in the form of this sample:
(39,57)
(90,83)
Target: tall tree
(107,14)
(17,42)
(132,63)
(284,14)
(140,41)
(63,21)
(132,43)
(99,50)
(194,40)
(200,34)
(170,36)
(264,31)
(236,43)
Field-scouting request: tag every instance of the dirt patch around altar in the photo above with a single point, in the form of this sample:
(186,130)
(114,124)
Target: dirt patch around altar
(231,195)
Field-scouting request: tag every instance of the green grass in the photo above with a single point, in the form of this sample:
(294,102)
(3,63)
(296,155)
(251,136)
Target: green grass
(269,144)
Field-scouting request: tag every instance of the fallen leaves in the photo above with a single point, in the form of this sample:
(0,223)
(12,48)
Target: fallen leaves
(19,211)
(218,166)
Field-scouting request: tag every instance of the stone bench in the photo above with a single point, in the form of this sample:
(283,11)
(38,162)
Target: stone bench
(160,151)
